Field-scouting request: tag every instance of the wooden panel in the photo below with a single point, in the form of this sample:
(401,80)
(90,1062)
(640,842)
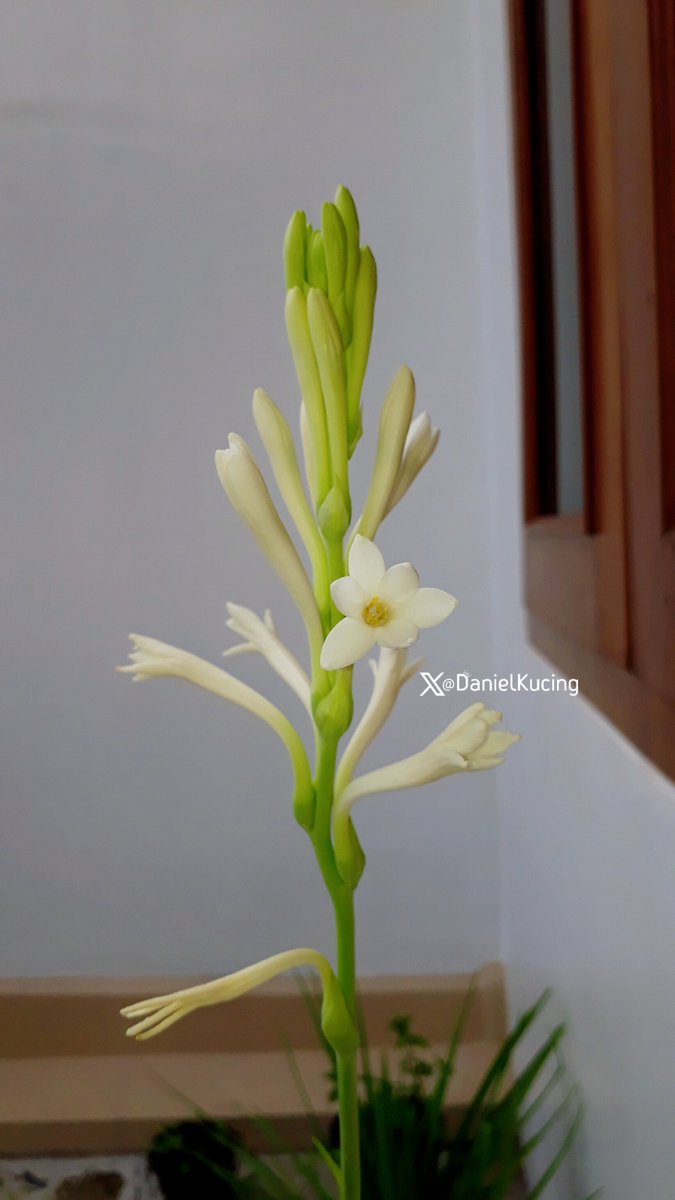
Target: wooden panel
(652,552)
(560,574)
(662,56)
(534,244)
(600,339)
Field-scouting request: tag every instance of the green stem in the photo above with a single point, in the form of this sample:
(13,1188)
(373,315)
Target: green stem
(343,904)
(347,1076)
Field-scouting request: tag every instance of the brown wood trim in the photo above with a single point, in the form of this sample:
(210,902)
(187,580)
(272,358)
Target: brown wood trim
(601,600)
(652,553)
(528,53)
(661,15)
(600,320)
(560,579)
(641,716)
(71,1082)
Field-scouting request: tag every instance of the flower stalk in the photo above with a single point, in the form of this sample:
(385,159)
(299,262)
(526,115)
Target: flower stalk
(351,604)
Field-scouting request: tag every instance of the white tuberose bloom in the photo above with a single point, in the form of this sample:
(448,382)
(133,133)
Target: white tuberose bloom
(381,606)
(248,493)
(152,659)
(160,1012)
(420,443)
(261,636)
(468,744)
(389,675)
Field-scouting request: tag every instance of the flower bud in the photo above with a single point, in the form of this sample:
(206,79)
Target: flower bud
(335,243)
(316,261)
(317,461)
(349,856)
(294,251)
(280,446)
(394,424)
(337,1024)
(329,355)
(248,494)
(420,444)
(346,207)
(333,714)
(363,312)
(334,516)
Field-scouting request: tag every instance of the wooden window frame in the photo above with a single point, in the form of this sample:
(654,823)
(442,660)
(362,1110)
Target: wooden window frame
(599,585)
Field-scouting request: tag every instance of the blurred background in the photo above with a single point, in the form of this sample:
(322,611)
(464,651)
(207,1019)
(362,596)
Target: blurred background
(153,153)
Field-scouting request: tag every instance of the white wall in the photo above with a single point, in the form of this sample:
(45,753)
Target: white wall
(587,826)
(153,151)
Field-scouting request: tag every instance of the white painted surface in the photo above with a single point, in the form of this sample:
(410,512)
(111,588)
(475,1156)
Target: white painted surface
(587,826)
(153,152)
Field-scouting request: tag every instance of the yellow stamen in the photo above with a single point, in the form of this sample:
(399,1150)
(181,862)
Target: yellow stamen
(375,613)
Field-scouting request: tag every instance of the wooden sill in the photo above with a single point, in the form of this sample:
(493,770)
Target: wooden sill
(70,1083)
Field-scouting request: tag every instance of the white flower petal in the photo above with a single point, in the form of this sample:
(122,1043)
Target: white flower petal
(466,715)
(469,738)
(347,642)
(390,672)
(429,606)
(396,634)
(498,742)
(366,564)
(348,596)
(399,583)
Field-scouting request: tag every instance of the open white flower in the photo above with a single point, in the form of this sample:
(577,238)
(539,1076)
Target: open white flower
(160,1012)
(261,636)
(381,606)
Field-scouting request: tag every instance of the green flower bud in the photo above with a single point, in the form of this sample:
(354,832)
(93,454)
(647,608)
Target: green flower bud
(294,251)
(395,420)
(316,262)
(349,856)
(334,515)
(333,714)
(304,805)
(327,344)
(316,447)
(347,209)
(359,348)
(335,244)
(337,1024)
